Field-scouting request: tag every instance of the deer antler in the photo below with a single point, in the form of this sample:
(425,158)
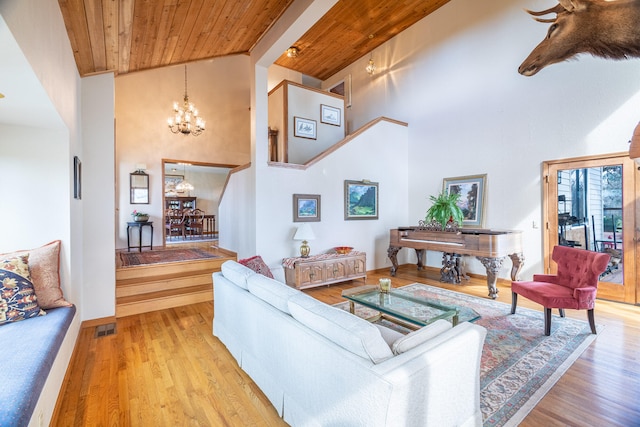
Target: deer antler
(555,9)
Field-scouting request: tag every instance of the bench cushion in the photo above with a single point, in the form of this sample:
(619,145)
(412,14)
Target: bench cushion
(28,351)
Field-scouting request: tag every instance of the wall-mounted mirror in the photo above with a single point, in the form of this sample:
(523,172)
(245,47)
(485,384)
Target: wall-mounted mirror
(139,185)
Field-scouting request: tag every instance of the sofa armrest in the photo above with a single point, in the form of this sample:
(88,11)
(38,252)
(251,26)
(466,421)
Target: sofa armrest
(440,378)
(278,272)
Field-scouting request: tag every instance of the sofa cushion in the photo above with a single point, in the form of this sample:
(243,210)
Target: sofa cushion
(18,300)
(237,273)
(271,291)
(44,268)
(417,337)
(258,265)
(346,330)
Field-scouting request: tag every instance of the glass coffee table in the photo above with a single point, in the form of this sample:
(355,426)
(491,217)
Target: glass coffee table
(399,307)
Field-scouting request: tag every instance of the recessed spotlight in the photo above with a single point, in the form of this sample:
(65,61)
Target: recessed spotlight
(1,95)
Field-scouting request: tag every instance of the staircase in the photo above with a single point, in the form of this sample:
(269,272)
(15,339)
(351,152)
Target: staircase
(145,288)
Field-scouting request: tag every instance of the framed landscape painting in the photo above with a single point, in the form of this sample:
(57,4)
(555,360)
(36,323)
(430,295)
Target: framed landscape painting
(330,115)
(360,200)
(472,197)
(306,207)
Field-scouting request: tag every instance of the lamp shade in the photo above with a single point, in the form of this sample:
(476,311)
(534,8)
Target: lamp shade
(634,148)
(304,232)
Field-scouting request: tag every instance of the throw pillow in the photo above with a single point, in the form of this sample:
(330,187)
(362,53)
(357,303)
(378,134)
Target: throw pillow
(18,300)
(44,268)
(258,265)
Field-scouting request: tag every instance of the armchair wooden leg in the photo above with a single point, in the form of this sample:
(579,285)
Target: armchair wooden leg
(592,321)
(514,302)
(547,321)
(561,310)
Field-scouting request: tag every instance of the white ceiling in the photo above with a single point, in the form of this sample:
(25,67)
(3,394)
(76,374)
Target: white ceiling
(25,101)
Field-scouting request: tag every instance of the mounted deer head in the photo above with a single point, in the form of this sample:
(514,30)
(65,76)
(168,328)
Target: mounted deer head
(604,28)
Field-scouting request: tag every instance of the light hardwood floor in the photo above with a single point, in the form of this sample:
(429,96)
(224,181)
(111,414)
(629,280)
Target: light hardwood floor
(166,368)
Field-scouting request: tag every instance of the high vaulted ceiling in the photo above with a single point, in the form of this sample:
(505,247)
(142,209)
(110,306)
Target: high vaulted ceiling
(133,35)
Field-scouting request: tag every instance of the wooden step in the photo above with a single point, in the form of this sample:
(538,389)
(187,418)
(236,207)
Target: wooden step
(159,300)
(140,272)
(131,287)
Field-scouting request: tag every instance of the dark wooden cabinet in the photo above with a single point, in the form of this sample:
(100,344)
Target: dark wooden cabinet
(180,203)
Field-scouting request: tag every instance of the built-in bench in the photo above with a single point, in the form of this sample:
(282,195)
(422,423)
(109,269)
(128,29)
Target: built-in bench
(29,350)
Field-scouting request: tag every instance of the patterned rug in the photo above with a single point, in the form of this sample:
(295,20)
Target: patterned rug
(519,363)
(157,257)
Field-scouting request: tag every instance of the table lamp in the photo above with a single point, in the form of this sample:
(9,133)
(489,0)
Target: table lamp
(304,233)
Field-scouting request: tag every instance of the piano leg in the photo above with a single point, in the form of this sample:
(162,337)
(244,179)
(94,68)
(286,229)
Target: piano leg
(517,261)
(392,253)
(493,266)
(420,254)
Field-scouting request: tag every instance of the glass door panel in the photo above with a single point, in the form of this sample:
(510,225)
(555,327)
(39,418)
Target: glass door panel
(589,204)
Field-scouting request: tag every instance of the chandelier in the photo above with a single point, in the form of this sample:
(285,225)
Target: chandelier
(371,67)
(184,185)
(185,119)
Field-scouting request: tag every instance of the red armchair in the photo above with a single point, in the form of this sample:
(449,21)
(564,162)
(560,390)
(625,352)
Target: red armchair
(574,286)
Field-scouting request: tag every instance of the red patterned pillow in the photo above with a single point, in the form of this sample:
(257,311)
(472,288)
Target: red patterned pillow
(18,299)
(257,264)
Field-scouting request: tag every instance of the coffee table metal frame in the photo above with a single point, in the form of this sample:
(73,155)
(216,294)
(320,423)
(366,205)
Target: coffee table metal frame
(371,297)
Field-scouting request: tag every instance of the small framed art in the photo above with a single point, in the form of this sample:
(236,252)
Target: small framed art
(306,207)
(330,115)
(304,128)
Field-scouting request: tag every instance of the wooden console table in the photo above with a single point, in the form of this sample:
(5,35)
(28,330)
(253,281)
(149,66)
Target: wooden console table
(324,269)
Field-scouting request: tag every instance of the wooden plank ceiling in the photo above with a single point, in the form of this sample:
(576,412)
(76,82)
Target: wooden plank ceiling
(124,36)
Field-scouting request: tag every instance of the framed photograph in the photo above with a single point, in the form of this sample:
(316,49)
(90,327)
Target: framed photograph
(306,207)
(77,178)
(304,128)
(472,190)
(360,200)
(330,115)
(170,182)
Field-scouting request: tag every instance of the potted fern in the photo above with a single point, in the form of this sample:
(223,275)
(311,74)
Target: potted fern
(444,209)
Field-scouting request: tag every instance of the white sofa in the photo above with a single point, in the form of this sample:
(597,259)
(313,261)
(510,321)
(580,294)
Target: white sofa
(322,366)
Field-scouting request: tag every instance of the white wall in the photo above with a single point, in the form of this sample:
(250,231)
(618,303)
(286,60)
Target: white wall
(274,215)
(453,77)
(305,103)
(47,211)
(98,196)
(219,88)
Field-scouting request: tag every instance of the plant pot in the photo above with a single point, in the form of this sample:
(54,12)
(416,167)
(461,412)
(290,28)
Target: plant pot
(141,218)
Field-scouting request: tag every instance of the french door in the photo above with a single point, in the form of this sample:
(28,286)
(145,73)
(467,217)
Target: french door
(591,203)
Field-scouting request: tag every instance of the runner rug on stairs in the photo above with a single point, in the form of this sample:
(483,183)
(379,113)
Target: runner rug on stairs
(130,259)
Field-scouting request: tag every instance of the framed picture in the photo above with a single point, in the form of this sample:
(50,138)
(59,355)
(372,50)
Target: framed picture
(330,115)
(360,200)
(304,128)
(306,207)
(472,190)
(77,178)
(170,182)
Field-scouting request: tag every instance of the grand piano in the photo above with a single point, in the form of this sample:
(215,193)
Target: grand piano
(490,247)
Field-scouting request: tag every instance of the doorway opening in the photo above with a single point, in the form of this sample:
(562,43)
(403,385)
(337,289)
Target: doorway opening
(191,196)
(590,205)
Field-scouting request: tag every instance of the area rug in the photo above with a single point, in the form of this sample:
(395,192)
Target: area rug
(519,363)
(157,257)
